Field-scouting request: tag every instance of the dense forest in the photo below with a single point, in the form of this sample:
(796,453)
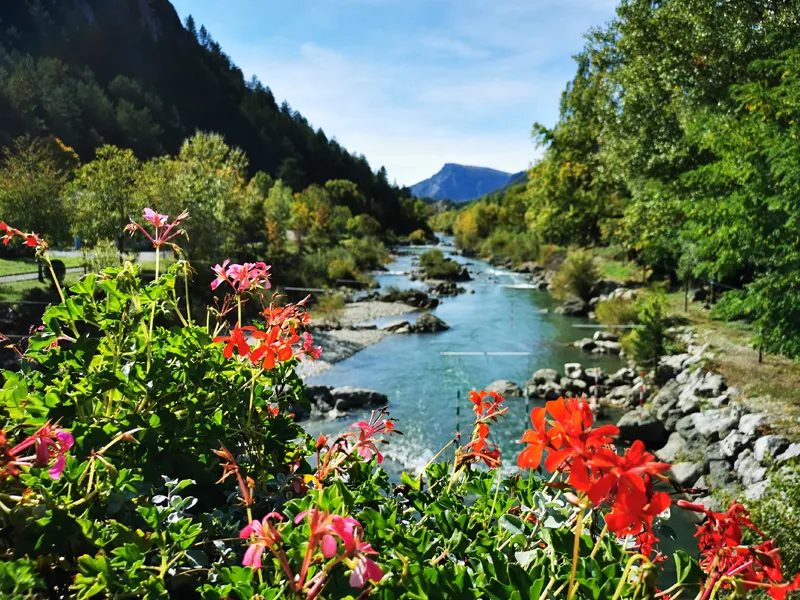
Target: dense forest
(678,142)
(114,88)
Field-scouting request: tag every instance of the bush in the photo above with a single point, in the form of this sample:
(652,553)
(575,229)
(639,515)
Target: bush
(518,247)
(418,237)
(548,255)
(330,308)
(102,255)
(617,311)
(777,514)
(648,344)
(368,253)
(577,276)
(436,266)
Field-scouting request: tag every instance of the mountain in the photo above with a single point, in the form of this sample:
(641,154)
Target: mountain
(129,73)
(461,183)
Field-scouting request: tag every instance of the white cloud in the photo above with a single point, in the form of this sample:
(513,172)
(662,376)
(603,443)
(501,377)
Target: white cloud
(466,89)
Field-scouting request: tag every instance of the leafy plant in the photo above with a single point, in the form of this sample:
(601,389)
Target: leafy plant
(577,276)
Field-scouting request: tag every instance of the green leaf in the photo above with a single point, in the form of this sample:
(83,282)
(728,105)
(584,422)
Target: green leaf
(512,524)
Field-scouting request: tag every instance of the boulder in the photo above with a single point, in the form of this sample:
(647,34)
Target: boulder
(394,326)
(713,451)
(415,298)
(750,424)
(605,336)
(716,423)
(748,469)
(321,397)
(569,368)
(349,398)
(720,474)
(624,376)
(428,323)
(687,473)
(688,405)
(671,419)
(673,449)
(792,452)
(594,374)
(544,376)
(574,307)
(670,366)
(621,392)
(769,447)
(550,391)
(713,384)
(711,503)
(506,388)
(586,344)
(667,395)
(733,444)
(640,424)
(756,491)
(608,347)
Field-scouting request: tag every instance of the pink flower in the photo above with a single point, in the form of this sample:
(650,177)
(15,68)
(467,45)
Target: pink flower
(264,535)
(48,441)
(242,278)
(366,444)
(156,219)
(366,568)
(164,232)
(308,348)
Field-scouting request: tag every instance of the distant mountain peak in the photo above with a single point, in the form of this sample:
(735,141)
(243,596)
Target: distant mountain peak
(462,183)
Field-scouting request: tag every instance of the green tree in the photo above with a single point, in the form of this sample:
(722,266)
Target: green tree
(102,196)
(33,176)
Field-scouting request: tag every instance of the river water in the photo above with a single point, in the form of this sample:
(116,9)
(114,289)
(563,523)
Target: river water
(500,313)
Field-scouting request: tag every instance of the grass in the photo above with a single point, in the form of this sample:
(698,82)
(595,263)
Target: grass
(26,264)
(618,270)
(772,386)
(17,290)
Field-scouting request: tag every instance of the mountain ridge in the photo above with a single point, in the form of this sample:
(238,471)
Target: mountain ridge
(463,183)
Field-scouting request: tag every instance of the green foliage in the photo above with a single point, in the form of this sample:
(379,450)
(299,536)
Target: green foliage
(648,344)
(32,179)
(436,266)
(778,513)
(418,236)
(443,222)
(617,311)
(102,255)
(517,247)
(577,276)
(330,308)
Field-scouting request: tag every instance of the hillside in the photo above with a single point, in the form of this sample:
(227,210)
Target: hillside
(130,73)
(461,183)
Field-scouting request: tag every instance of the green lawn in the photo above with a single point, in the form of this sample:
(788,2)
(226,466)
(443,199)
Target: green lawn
(28,264)
(17,290)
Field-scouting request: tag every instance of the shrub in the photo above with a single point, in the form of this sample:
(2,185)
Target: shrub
(777,514)
(617,311)
(330,308)
(648,344)
(368,253)
(547,255)
(342,268)
(436,266)
(418,236)
(102,255)
(577,276)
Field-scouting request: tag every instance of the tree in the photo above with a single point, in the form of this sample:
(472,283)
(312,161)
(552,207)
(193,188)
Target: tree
(101,195)
(33,176)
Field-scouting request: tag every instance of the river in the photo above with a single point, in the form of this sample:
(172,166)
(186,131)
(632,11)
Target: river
(423,385)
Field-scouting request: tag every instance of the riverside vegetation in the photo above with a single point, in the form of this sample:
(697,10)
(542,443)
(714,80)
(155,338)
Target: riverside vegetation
(146,454)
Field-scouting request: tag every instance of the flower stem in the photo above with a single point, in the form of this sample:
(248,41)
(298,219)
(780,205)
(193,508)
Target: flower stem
(624,578)
(576,549)
(72,326)
(186,291)
(152,313)
(599,540)
(239,311)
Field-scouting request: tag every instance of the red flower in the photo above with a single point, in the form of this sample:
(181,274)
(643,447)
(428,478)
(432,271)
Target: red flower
(486,408)
(237,340)
(633,510)
(273,348)
(50,440)
(537,439)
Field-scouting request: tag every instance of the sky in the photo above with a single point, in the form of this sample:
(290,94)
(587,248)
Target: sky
(412,84)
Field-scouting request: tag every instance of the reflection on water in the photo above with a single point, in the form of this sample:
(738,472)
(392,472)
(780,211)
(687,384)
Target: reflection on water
(502,315)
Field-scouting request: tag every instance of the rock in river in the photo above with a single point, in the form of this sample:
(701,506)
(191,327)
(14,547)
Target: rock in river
(574,307)
(348,398)
(428,323)
(506,388)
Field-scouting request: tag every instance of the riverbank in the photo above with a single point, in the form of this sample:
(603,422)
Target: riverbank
(347,333)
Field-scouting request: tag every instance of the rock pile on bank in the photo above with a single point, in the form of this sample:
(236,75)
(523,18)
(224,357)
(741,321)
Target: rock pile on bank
(331,401)
(426,323)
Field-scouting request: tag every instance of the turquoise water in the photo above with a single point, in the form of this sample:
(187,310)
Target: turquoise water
(423,386)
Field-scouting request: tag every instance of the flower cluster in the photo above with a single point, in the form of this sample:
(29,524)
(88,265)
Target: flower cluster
(596,471)
(31,239)
(275,344)
(729,563)
(242,278)
(487,409)
(163,231)
(327,532)
(50,446)
(364,443)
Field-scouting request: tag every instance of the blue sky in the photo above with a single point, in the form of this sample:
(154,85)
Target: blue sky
(412,84)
